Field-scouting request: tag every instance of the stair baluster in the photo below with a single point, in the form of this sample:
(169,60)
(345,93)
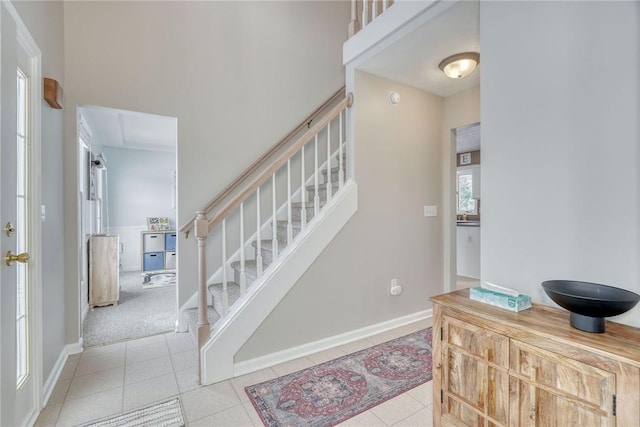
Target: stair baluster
(303,197)
(289,223)
(328,184)
(258,235)
(340,156)
(225,292)
(316,196)
(274,221)
(365,13)
(243,273)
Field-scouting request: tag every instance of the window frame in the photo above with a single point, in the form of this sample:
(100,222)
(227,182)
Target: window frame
(464,172)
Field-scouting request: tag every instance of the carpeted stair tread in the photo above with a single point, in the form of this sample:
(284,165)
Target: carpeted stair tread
(335,174)
(322,191)
(250,270)
(249,265)
(323,186)
(267,249)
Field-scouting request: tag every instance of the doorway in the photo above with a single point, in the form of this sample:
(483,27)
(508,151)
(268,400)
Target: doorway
(468,205)
(127,197)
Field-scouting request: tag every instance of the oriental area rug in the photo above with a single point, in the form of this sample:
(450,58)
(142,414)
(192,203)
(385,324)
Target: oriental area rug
(332,392)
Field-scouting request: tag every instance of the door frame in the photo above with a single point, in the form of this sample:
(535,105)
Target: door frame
(28,44)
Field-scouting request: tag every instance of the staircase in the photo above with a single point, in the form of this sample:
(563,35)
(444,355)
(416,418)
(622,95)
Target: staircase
(217,290)
(290,204)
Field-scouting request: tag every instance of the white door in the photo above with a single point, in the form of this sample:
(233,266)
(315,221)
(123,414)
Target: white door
(20,345)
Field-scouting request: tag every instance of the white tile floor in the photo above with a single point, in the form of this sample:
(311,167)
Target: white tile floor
(111,379)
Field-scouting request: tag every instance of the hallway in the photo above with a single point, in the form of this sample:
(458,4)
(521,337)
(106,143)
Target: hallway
(119,377)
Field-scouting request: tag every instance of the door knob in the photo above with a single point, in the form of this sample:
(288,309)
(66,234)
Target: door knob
(11,258)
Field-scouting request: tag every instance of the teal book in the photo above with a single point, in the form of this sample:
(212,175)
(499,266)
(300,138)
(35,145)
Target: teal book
(497,299)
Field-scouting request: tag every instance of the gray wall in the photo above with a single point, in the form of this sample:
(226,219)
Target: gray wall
(44,20)
(398,152)
(237,75)
(139,185)
(460,109)
(560,151)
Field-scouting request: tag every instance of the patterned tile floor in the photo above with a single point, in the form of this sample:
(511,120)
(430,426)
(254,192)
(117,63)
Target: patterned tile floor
(116,378)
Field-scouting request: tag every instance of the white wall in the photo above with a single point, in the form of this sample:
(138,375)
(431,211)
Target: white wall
(44,20)
(398,154)
(560,152)
(460,109)
(237,75)
(139,185)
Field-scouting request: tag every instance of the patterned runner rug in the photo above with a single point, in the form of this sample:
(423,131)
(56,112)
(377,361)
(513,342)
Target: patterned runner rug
(332,392)
(163,414)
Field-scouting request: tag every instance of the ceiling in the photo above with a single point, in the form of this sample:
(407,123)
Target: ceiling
(129,129)
(413,60)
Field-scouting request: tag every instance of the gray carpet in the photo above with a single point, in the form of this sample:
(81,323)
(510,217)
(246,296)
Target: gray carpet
(139,313)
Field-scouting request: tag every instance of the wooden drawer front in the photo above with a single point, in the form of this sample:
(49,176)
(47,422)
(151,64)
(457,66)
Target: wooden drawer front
(488,346)
(555,391)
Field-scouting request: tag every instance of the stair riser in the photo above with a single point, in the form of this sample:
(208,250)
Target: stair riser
(267,255)
(282,234)
(250,275)
(216,294)
(296,212)
(335,175)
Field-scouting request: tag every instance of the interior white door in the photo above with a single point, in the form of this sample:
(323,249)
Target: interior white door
(19,345)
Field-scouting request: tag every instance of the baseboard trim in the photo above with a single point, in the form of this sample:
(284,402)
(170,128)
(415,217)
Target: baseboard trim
(52,380)
(262,362)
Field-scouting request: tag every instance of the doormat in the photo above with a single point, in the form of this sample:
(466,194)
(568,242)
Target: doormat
(332,392)
(163,414)
(159,279)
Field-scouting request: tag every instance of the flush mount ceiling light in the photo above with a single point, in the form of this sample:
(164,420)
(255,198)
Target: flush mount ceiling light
(460,65)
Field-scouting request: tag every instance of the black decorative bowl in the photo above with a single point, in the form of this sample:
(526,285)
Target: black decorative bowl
(590,303)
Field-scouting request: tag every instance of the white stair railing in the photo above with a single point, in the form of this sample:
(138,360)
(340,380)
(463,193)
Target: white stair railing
(368,10)
(278,175)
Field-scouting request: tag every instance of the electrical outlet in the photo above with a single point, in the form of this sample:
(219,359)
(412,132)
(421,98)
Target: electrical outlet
(430,211)
(395,288)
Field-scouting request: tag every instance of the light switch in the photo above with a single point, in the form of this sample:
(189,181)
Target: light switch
(43,213)
(430,211)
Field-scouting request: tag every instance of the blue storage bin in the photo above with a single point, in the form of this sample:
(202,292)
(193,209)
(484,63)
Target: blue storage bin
(153,261)
(170,242)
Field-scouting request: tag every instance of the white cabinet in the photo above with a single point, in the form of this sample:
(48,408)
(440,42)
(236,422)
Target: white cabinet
(475,183)
(468,251)
(158,250)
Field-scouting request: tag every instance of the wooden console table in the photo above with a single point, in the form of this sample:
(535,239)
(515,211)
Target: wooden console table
(496,368)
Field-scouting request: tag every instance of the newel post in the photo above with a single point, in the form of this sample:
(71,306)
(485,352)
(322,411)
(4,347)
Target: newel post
(204,329)
(354,25)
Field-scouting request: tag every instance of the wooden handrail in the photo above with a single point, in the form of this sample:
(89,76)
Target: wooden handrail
(279,162)
(187,226)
